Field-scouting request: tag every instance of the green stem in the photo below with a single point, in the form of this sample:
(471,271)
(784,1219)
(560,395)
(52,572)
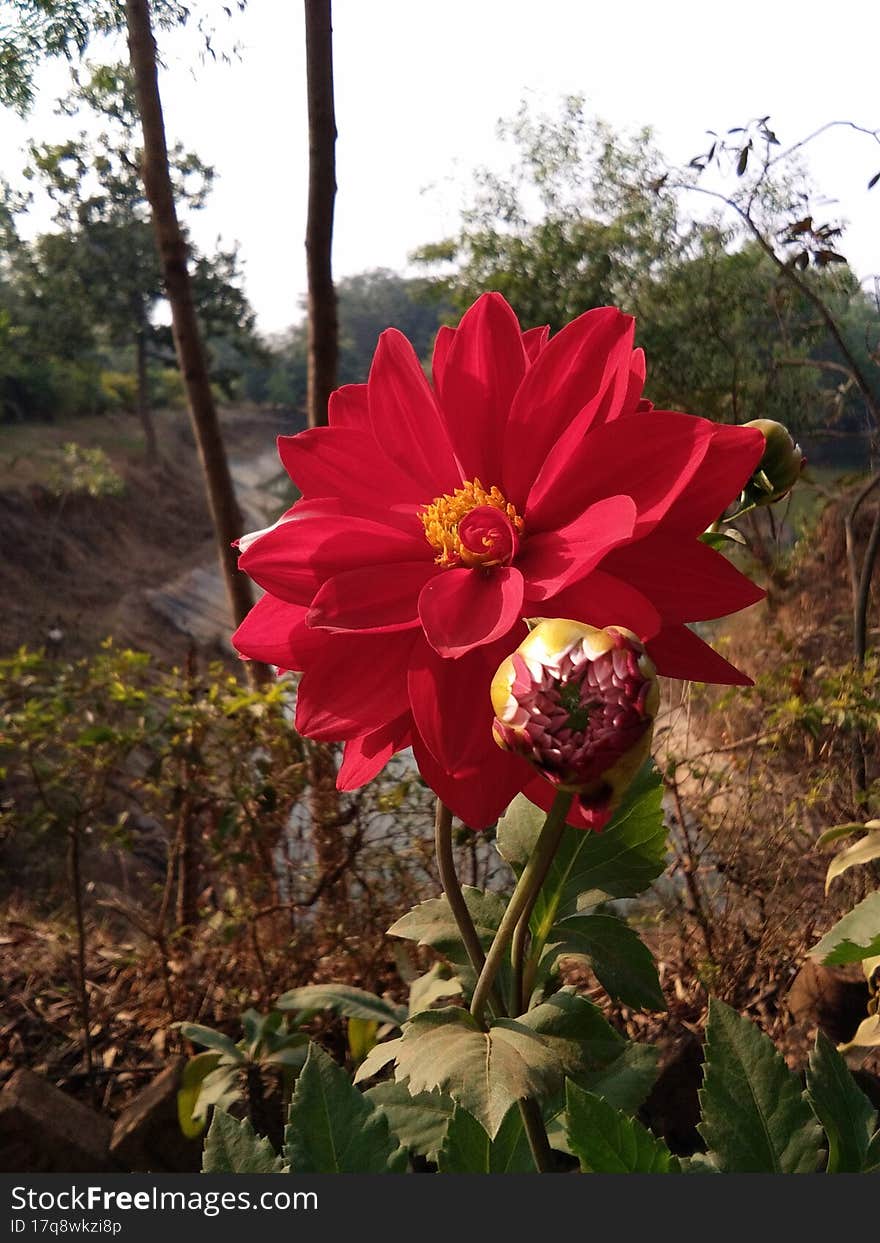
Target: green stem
(536,1134)
(521,985)
(454,895)
(523,898)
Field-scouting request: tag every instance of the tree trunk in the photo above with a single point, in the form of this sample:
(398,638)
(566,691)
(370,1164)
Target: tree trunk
(145,414)
(323,327)
(225,514)
(323,341)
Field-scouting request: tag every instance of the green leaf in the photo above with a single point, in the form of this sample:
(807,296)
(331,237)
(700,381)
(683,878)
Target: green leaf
(626,1081)
(210,1039)
(468,1149)
(377,1059)
(431,987)
(619,862)
(606,1141)
(191,1079)
(576,1031)
(622,962)
(864,851)
(867,1035)
(854,937)
(432,923)
(332,1128)
(485,1072)
(847,1116)
(232,1147)
(354,1003)
(361,1038)
(419,1122)
(755,1118)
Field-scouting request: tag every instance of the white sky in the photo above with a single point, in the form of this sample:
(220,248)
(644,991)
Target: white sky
(420,86)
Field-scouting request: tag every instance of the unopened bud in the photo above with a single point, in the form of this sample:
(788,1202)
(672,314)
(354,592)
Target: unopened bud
(780,467)
(578,703)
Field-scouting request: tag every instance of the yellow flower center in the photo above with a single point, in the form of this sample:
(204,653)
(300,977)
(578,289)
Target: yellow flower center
(484,541)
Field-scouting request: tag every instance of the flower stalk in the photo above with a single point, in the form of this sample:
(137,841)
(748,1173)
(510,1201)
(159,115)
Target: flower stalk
(523,899)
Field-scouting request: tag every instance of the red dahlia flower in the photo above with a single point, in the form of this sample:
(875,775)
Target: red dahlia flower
(530,480)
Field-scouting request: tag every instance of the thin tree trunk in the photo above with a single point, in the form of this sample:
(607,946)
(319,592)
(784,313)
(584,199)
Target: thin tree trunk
(323,327)
(225,514)
(323,342)
(145,414)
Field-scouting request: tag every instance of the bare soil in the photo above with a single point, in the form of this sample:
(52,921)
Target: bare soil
(81,565)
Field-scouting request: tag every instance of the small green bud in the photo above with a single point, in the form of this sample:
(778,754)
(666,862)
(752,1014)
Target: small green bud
(780,467)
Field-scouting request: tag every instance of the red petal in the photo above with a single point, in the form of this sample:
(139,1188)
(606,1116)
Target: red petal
(552,560)
(636,382)
(480,794)
(406,419)
(265,632)
(602,600)
(442,345)
(578,366)
(543,795)
(347,463)
(462,609)
(650,458)
(534,340)
(355,684)
(292,560)
(482,372)
(348,407)
(731,458)
(372,598)
(685,579)
(679,653)
(363,758)
(450,701)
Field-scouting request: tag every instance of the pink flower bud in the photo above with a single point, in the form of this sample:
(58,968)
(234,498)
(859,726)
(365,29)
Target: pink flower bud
(578,703)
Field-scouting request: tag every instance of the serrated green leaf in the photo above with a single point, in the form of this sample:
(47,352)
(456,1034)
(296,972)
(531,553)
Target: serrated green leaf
(468,1149)
(581,1038)
(623,964)
(354,1003)
(232,1147)
(847,1116)
(619,862)
(193,1075)
(432,923)
(332,1128)
(755,1117)
(377,1059)
(626,1081)
(485,1072)
(854,937)
(419,1122)
(864,851)
(606,1141)
(699,1163)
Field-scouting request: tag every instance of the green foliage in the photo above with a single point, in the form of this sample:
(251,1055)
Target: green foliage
(84,471)
(224,1075)
(232,1148)
(847,1116)
(419,1122)
(623,964)
(333,1128)
(606,1141)
(354,1003)
(468,1148)
(82,740)
(755,1118)
(853,938)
